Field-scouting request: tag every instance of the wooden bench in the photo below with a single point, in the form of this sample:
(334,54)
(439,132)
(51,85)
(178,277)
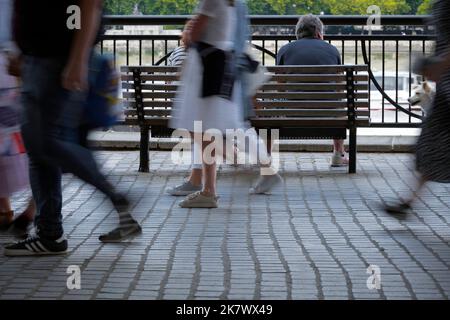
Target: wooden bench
(314,102)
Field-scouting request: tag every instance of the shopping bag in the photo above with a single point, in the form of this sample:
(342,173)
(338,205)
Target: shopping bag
(103,106)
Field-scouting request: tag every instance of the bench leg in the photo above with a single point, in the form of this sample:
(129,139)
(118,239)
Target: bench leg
(144,159)
(352,151)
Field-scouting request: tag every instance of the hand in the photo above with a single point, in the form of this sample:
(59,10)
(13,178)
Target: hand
(14,64)
(185,38)
(75,75)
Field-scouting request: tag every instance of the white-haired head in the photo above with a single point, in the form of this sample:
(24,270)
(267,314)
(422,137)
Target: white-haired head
(309,26)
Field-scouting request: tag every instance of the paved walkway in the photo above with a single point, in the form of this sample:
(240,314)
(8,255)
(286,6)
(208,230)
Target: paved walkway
(313,239)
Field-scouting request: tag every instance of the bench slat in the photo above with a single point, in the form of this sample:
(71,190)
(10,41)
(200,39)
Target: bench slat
(148,104)
(309,104)
(152,77)
(151,95)
(278,69)
(265,112)
(308,113)
(145,86)
(312,86)
(265,104)
(149,112)
(316,69)
(316,87)
(309,95)
(264,95)
(306,122)
(272,122)
(316,77)
(149,69)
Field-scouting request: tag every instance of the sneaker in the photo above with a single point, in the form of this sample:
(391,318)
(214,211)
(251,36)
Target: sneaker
(339,160)
(265,184)
(184,189)
(399,208)
(199,200)
(37,246)
(122,232)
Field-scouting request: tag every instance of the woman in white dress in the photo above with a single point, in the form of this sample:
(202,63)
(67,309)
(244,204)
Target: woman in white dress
(208,94)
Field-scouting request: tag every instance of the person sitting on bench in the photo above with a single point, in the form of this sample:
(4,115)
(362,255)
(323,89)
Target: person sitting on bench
(311,49)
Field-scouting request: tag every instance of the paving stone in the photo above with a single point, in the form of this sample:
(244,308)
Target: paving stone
(311,239)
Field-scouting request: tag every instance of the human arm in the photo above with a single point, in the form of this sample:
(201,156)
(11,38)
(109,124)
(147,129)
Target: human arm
(75,74)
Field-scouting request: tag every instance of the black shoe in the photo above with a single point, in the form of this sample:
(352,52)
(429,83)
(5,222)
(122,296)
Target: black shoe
(123,232)
(37,246)
(399,208)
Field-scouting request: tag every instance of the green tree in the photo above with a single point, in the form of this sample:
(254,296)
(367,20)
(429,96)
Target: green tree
(295,7)
(168,7)
(425,7)
(119,6)
(360,6)
(413,5)
(260,7)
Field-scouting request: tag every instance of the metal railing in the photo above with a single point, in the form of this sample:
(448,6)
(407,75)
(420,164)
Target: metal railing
(389,51)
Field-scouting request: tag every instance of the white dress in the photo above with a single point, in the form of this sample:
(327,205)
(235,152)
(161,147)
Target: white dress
(213,112)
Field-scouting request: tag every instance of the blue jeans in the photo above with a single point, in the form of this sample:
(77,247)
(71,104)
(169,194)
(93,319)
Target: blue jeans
(51,119)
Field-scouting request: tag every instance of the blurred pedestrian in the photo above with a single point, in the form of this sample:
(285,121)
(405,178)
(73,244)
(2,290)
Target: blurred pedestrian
(13,160)
(433,145)
(245,65)
(55,84)
(209,94)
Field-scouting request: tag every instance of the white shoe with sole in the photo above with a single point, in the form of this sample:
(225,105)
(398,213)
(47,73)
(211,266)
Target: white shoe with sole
(199,200)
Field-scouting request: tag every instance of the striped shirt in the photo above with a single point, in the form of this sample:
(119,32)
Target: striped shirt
(177,57)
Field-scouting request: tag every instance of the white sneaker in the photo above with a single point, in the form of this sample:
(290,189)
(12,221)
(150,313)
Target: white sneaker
(339,160)
(265,184)
(199,200)
(184,189)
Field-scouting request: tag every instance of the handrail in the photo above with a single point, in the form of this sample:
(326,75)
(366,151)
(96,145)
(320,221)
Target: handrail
(267,20)
(380,89)
(331,37)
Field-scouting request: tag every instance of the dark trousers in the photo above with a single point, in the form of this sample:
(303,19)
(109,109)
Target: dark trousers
(51,119)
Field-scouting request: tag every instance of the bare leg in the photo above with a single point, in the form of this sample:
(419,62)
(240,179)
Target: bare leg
(209,172)
(339,159)
(196,177)
(30,210)
(5,205)
(338,145)
(6,214)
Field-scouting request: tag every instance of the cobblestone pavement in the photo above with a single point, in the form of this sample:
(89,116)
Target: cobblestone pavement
(314,238)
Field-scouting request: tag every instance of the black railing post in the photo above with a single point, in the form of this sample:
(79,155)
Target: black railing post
(144,144)
(351,113)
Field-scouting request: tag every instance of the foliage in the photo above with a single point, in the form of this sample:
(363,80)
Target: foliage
(280,7)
